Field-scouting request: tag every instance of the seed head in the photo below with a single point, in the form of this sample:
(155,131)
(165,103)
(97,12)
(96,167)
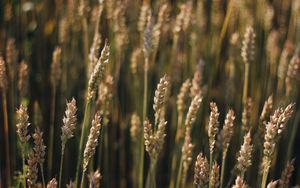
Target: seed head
(52,183)
(39,147)
(292,73)
(92,142)
(215,176)
(227,130)
(268,106)
(94,179)
(246,115)
(286,174)
(193,109)
(22,124)
(182,96)
(248,48)
(148,36)
(213,125)
(201,175)
(71,185)
(32,172)
(245,153)
(274,129)
(187,152)
(272,184)
(160,98)
(239,183)
(154,140)
(135,126)
(23,77)
(144,15)
(69,122)
(98,71)
(56,67)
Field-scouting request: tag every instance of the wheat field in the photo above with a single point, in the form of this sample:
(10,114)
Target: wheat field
(154,94)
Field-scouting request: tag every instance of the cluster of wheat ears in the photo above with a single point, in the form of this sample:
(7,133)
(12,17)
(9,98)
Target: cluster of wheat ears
(193,93)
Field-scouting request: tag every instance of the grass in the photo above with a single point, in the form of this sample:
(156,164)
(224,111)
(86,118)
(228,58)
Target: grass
(193,60)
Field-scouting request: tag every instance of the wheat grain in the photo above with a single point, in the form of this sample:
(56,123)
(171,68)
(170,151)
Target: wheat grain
(94,179)
(92,142)
(245,153)
(52,183)
(201,171)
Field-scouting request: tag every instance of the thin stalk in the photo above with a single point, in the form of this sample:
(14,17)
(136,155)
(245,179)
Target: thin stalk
(82,179)
(210,159)
(223,168)
(51,139)
(178,181)
(292,137)
(24,170)
(175,156)
(151,183)
(226,22)
(246,82)
(61,165)
(141,173)
(264,178)
(85,41)
(85,125)
(6,137)
(43,177)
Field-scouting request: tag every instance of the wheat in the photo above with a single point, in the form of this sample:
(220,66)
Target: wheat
(214,176)
(52,183)
(161,94)
(201,172)
(227,130)
(32,172)
(69,122)
(245,153)
(286,174)
(92,142)
(56,67)
(182,96)
(213,128)
(246,115)
(292,73)
(39,147)
(94,179)
(135,127)
(98,71)
(248,49)
(239,183)
(22,124)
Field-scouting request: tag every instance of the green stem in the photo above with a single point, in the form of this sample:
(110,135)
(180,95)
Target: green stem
(85,41)
(175,156)
(6,138)
(82,179)
(43,177)
(246,82)
(141,173)
(85,125)
(24,170)
(223,168)
(178,181)
(264,179)
(50,150)
(210,159)
(61,165)
(151,183)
